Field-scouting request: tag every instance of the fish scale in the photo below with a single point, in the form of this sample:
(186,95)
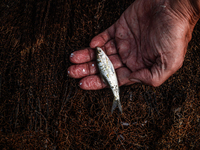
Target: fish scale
(108,75)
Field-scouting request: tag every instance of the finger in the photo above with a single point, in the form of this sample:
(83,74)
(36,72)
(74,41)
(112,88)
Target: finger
(88,54)
(92,83)
(90,68)
(143,75)
(123,74)
(82,56)
(154,76)
(102,38)
(82,70)
(110,48)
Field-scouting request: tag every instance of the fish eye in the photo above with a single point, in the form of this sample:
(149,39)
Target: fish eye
(98,49)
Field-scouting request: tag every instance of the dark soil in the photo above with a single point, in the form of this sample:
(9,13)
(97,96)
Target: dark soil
(42,108)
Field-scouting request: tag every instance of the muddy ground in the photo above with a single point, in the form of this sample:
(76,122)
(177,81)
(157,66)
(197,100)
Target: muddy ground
(41,107)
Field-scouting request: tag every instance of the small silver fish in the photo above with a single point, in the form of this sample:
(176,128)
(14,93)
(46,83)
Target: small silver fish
(108,75)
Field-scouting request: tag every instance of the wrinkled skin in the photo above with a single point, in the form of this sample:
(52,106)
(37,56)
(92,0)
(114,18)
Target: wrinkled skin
(146,44)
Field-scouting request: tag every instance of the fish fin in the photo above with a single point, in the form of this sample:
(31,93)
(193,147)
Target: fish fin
(115,104)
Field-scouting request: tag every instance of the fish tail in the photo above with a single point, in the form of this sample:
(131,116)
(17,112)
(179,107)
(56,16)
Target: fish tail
(116,103)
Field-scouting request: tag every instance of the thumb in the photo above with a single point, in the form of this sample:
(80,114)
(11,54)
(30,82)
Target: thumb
(154,76)
(142,75)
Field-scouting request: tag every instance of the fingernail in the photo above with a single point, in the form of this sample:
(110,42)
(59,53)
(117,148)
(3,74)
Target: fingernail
(135,80)
(72,54)
(80,83)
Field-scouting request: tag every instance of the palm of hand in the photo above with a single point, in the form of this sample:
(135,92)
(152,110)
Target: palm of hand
(144,45)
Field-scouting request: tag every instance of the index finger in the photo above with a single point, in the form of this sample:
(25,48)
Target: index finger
(88,54)
(82,56)
(102,38)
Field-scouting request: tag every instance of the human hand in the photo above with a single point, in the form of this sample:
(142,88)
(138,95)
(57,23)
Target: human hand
(147,44)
